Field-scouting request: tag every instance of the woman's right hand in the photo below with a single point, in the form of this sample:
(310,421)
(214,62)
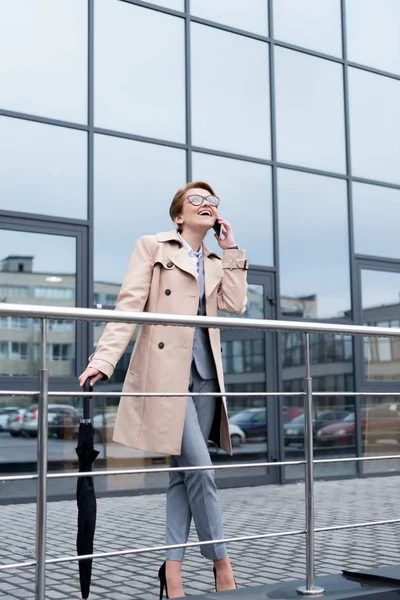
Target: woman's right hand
(91,372)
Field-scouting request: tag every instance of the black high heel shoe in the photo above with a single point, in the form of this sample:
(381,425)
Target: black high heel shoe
(215,579)
(162,575)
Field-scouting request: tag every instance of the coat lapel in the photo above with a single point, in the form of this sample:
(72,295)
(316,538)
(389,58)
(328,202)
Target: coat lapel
(181,259)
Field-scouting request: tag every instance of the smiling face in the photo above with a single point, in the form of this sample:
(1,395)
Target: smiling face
(197,218)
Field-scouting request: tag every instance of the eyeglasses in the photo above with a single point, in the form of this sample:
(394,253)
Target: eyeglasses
(198,200)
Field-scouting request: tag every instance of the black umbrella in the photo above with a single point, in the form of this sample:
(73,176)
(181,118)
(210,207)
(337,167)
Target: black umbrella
(86,498)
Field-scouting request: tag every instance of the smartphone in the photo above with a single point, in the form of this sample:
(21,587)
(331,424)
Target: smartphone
(217,228)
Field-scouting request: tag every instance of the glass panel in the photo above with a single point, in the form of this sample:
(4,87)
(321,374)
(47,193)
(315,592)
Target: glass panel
(381,307)
(44,74)
(373,33)
(309,111)
(37,269)
(230,92)
(376,215)
(380,430)
(374,125)
(54,167)
(146,96)
(334,425)
(313,233)
(309,23)
(124,171)
(241,184)
(230,12)
(172,4)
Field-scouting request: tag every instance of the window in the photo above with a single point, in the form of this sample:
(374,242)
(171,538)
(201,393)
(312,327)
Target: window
(376,212)
(19,350)
(309,23)
(230,92)
(309,111)
(4,349)
(44,74)
(313,233)
(54,166)
(146,96)
(374,125)
(48,277)
(60,352)
(253,18)
(53,293)
(368,20)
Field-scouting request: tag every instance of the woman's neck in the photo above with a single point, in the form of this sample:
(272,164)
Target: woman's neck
(193,238)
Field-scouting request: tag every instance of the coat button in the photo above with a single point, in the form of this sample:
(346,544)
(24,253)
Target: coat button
(161,345)
(170,265)
(167,292)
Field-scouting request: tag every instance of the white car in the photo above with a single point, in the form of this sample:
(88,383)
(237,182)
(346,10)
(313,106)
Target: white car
(29,425)
(238,436)
(5,412)
(14,422)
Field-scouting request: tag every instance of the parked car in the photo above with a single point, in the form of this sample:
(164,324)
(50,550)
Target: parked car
(65,422)
(5,412)
(377,423)
(290,413)
(253,422)
(29,425)
(14,422)
(294,431)
(104,425)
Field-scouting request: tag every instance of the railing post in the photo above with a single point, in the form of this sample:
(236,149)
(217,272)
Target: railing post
(310,588)
(41,493)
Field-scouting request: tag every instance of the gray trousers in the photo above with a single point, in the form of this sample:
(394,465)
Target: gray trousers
(194,493)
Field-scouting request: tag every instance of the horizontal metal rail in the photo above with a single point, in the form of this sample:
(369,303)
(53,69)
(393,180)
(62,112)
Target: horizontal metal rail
(245,538)
(146,318)
(154,470)
(150,394)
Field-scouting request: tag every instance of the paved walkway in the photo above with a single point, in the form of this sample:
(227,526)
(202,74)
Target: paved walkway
(139,521)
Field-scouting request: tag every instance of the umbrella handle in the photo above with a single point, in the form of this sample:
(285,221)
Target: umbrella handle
(86,400)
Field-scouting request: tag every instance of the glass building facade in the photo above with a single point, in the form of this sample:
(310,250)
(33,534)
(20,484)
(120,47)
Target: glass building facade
(289,108)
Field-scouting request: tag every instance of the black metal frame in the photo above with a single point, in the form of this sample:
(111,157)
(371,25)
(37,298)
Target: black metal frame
(84,228)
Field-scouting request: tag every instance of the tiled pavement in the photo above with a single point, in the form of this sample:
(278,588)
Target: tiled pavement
(139,521)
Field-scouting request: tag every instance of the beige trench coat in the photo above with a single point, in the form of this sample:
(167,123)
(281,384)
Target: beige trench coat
(161,279)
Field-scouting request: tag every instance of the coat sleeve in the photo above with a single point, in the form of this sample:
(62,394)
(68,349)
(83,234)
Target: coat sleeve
(133,296)
(232,292)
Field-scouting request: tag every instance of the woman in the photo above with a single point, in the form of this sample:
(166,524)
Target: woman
(175,273)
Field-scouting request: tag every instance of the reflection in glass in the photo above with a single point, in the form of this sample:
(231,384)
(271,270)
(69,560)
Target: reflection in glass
(32,272)
(245,190)
(54,167)
(313,233)
(381,307)
(230,92)
(44,73)
(380,430)
(309,111)
(368,20)
(374,125)
(334,430)
(309,23)
(230,12)
(146,96)
(376,213)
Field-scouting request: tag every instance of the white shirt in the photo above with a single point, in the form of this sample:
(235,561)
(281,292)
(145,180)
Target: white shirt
(195,257)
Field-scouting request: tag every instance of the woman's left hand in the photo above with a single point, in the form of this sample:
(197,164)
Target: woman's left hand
(229,239)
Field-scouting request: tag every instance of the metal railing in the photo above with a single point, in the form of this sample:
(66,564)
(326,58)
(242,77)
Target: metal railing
(96,315)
